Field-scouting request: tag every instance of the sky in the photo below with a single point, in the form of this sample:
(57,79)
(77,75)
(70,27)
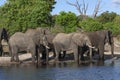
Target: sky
(106,5)
(2,2)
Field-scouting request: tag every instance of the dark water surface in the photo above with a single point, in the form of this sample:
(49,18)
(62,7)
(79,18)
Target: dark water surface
(63,71)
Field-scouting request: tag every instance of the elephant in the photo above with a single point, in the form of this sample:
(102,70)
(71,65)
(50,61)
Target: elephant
(35,34)
(99,39)
(21,42)
(44,31)
(3,35)
(71,41)
(49,38)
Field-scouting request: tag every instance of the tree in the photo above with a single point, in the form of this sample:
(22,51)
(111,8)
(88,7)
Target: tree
(83,7)
(89,24)
(97,8)
(106,17)
(18,15)
(68,20)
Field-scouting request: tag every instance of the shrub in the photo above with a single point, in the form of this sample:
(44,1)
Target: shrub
(90,24)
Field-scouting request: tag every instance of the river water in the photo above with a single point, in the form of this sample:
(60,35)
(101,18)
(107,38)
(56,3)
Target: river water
(63,71)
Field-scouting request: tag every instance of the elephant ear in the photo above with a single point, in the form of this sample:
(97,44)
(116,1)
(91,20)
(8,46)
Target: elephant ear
(78,39)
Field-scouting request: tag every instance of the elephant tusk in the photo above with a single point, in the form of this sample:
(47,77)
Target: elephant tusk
(90,46)
(47,47)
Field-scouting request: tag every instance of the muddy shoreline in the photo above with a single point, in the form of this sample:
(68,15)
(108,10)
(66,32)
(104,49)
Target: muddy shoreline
(26,59)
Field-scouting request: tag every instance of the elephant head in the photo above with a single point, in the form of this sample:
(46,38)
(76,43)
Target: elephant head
(81,40)
(99,39)
(44,31)
(43,40)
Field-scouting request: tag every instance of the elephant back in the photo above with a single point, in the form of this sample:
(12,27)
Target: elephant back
(81,39)
(63,37)
(20,38)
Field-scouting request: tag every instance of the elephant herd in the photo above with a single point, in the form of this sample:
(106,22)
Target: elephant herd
(42,41)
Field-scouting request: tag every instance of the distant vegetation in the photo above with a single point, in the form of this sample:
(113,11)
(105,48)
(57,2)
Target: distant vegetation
(19,15)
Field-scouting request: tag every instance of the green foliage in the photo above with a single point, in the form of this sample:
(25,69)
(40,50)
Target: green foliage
(90,24)
(18,15)
(106,17)
(68,20)
(57,29)
(117,20)
(112,27)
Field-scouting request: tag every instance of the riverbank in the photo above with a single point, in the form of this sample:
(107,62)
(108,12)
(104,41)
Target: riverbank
(26,58)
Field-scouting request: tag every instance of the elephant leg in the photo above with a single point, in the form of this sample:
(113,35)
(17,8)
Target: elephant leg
(76,56)
(101,53)
(44,55)
(112,50)
(33,57)
(13,52)
(54,54)
(47,55)
(60,55)
(90,54)
(57,51)
(17,58)
(64,53)
(1,51)
(57,55)
(32,51)
(81,53)
(12,57)
(37,55)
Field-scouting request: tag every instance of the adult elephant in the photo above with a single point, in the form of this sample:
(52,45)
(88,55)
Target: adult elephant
(71,41)
(21,42)
(99,39)
(49,38)
(3,35)
(35,34)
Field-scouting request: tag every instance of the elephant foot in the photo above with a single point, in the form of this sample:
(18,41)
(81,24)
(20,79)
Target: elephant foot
(17,60)
(12,60)
(33,61)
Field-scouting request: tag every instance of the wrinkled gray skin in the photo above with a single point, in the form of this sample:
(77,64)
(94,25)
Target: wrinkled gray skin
(71,41)
(50,38)
(38,35)
(99,39)
(20,42)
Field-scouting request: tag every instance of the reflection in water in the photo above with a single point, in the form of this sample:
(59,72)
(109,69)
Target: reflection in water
(63,71)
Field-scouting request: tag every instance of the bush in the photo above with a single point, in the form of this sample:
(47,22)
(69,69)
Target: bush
(112,27)
(67,20)
(90,24)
